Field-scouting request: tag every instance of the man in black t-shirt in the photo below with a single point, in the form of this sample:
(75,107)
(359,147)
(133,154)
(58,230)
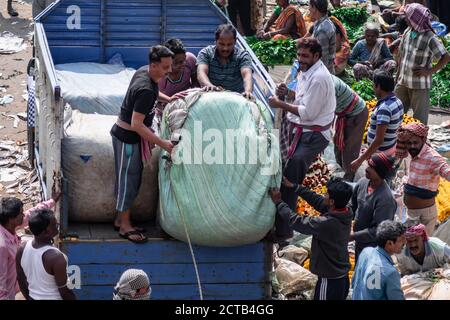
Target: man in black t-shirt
(131,136)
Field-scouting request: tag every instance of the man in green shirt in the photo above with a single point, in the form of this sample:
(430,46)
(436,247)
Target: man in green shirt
(352,115)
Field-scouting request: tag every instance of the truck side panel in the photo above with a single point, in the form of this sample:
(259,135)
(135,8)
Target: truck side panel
(225,273)
(92,31)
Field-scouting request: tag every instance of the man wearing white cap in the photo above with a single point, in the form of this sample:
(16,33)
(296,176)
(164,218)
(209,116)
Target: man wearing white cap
(133,285)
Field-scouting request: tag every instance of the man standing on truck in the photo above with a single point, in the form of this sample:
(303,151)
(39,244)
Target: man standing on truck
(309,118)
(132,137)
(223,66)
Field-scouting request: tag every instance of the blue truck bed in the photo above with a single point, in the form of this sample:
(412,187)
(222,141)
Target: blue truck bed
(92,31)
(225,273)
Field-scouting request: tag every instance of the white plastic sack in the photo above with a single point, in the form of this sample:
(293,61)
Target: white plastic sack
(88,166)
(292,278)
(10,43)
(416,286)
(430,285)
(294,254)
(302,241)
(94,87)
(441,290)
(443,232)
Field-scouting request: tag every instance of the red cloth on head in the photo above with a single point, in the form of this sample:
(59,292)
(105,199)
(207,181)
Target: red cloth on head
(418,230)
(381,163)
(418,129)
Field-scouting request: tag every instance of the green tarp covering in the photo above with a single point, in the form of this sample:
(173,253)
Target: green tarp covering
(217,186)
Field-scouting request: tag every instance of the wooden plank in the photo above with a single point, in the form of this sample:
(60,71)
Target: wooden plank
(84,27)
(62,20)
(99,274)
(134,20)
(84,10)
(254,291)
(168,251)
(82,230)
(103,231)
(131,43)
(138,35)
(131,28)
(195,20)
(74,43)
(80,35)
(135,12)
(74,54)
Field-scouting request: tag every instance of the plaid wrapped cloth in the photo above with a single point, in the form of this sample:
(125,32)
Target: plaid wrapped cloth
(290,135)
(285,131)
(419,16)
(404,133)
(340,123)
(31,107)
(129,283)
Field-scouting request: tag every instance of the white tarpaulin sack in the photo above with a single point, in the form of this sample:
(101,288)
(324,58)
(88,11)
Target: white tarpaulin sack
(293,278)
(88,167)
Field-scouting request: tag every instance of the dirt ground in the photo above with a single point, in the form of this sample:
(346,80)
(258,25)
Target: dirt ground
(13,69)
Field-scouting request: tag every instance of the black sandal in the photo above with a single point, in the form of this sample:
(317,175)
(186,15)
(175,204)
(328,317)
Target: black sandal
(140,229)
(134,232)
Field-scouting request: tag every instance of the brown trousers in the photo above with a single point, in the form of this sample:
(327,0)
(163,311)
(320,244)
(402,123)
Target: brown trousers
(353,136)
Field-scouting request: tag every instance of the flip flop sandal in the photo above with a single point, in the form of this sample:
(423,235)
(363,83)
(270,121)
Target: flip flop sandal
(131,233)
(140,229)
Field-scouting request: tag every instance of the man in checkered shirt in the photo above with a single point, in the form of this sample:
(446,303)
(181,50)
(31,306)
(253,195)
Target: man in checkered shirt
(418,48)
(426,168)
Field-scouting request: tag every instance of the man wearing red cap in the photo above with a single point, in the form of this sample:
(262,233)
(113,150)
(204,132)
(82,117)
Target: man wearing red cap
(425,170)
(372,202)
(422,253)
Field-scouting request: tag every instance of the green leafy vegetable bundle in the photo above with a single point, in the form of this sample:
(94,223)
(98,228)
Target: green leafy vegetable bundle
(364,88)
(271,53)
(353,19)
(440,90)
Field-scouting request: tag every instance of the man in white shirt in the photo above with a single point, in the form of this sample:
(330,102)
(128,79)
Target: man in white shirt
(310,116)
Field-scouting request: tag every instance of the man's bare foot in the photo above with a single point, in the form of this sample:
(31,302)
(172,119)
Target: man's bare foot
(117,226)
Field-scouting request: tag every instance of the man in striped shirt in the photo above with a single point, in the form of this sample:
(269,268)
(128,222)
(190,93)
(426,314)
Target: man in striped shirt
(385,120)
(351,122)
(426,168)
(418,48)
(225,66)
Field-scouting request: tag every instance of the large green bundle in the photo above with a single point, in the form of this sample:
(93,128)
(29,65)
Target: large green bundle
(219,197)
